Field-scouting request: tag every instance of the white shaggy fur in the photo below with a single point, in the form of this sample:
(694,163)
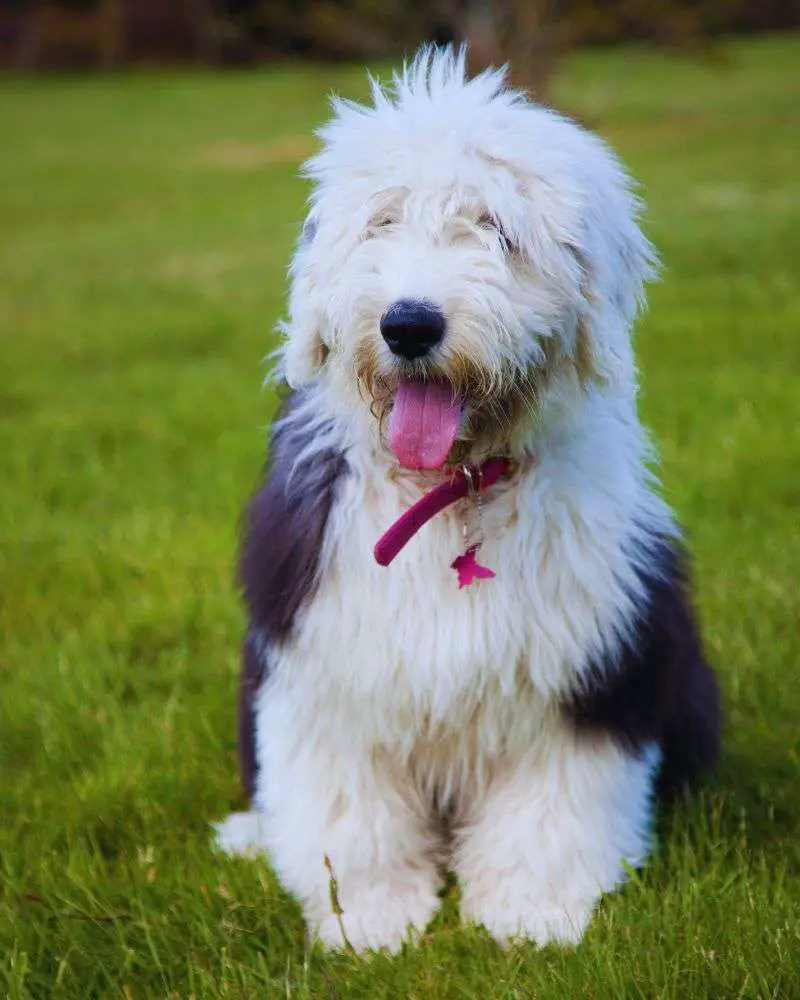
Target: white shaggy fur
(401,697)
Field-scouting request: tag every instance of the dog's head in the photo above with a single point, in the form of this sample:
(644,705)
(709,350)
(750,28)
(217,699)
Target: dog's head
(467,256)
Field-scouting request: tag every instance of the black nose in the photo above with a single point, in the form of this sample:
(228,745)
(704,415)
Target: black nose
(411,328)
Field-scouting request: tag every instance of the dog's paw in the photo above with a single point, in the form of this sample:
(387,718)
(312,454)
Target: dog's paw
(241,834)
(509,918)
(377,916)
(559,927)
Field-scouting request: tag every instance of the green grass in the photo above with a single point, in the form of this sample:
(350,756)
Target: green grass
(145,223)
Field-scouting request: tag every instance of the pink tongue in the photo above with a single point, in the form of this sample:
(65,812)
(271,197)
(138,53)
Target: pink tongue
(423,424)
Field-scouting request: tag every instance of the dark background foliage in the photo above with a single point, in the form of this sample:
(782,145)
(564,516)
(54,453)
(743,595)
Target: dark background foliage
(530,33)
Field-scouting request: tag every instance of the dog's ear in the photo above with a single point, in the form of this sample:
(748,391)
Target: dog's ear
(616,260)
(304,351)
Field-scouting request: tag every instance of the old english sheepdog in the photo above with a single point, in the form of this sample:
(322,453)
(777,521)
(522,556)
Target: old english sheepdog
(470,640)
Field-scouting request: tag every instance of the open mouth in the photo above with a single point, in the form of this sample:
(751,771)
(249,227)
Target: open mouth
(424,423)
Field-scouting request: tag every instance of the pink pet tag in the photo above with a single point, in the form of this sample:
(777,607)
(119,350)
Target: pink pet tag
(467,565)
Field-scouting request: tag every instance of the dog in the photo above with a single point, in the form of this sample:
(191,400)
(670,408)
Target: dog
(505,683)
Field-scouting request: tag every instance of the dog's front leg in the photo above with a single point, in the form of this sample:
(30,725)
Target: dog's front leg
(333,808)
(554,831)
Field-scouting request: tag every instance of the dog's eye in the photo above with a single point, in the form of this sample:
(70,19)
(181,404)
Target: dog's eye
(382,221)
(489,222)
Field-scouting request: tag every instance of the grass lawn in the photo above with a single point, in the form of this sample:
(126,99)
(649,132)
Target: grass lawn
(145,224)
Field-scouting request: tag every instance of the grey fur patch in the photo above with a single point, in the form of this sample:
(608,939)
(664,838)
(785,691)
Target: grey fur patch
(285,525)
(282,538)
(309,231)
(659,688)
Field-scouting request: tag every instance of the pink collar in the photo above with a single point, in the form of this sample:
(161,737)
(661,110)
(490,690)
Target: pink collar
(458,486)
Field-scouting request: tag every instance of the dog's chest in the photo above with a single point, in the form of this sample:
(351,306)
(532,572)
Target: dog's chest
(407,644)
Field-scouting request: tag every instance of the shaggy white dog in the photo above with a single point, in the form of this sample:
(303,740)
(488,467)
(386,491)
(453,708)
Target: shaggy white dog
(461,306)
